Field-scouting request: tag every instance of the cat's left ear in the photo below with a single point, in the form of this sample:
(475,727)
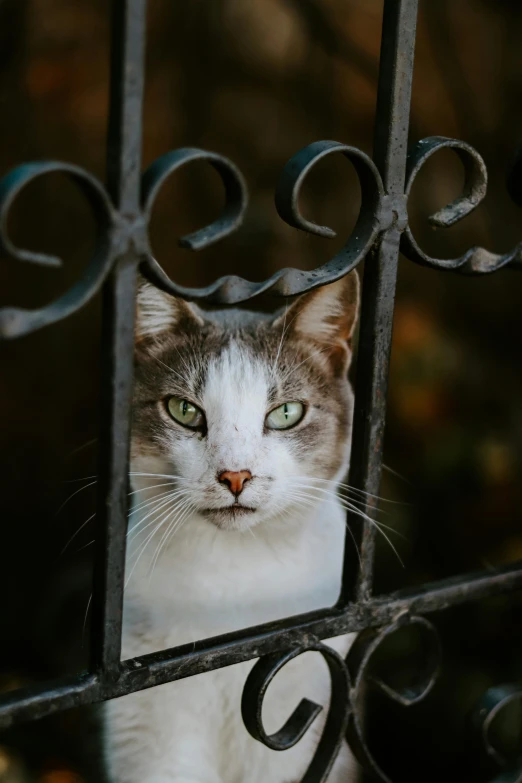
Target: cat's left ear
(327,316)
(158,313)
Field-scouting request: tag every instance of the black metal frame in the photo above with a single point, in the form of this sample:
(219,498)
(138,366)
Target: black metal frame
(122,213)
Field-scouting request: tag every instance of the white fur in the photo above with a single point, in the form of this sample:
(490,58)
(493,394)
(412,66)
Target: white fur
(210,578)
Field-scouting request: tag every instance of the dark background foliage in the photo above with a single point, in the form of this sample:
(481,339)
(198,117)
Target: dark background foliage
(256,81)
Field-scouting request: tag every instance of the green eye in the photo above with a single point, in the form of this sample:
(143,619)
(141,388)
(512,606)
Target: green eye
(285,416)
(185,412)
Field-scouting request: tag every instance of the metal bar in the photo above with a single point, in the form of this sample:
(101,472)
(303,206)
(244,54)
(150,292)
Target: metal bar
(128,26)
(123,174)
(390,148)
(190,659)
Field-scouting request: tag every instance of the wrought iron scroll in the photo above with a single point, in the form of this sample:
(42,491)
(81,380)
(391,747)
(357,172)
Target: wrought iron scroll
(348,681)
(487,711)
(476,260)
(122,212)
(305,713)
(15,322)
(360,663)
(116,231)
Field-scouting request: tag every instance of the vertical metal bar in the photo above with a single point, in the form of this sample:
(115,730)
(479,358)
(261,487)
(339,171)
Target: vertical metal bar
(123,175)
(126,103)
(390,149)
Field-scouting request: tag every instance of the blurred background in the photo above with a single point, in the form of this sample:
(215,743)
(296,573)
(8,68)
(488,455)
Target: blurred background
(256,81)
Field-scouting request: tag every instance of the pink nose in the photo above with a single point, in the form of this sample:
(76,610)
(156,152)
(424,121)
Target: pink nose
(235,480)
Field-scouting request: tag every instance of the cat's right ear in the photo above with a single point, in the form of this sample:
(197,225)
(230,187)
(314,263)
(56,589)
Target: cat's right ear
(158,313)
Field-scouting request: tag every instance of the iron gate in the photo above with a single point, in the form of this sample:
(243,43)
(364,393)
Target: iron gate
(122,212)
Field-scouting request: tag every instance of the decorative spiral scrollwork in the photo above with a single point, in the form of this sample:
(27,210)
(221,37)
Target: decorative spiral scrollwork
(476,260)
(115,232)
(305,713)
(360,659)
(236,200)
(236,195)
(348,681)
(494,701)
(17,321)
(375,215)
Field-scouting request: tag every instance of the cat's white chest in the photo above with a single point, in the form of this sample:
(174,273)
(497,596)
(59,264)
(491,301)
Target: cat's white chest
(195,725)
(216,582)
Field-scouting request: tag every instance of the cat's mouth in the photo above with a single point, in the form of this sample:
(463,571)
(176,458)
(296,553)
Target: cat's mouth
(235,510)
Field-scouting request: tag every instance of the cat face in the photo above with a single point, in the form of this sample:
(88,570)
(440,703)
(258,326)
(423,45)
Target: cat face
(243,414)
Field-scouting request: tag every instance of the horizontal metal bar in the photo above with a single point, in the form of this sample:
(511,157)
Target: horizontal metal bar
(39,701)
(177,663)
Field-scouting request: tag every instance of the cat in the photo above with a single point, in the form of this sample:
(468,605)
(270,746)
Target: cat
(241,434)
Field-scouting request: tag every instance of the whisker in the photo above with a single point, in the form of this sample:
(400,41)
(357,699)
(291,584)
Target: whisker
(378,527)
(381,499)
(163,516)
(337,494)
(153,486)
(136,527)
(375,522)
(349,529)
(76,533)
(179,514)
(89,543)
(143,548)
(359,491)
(80,448)
(156,475)
(364,516)
(160,505)
(92,483)
(188,367)
(84,628)
(171,369)
(132,473)
(301,499)
(396,474)
(329,493)
(361,503)
(171,519)
(249,529)
(148,502)
(171,493)
(296,367)
(132,530)
(283,332)
(83,478)
(180,522)
(69,542)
